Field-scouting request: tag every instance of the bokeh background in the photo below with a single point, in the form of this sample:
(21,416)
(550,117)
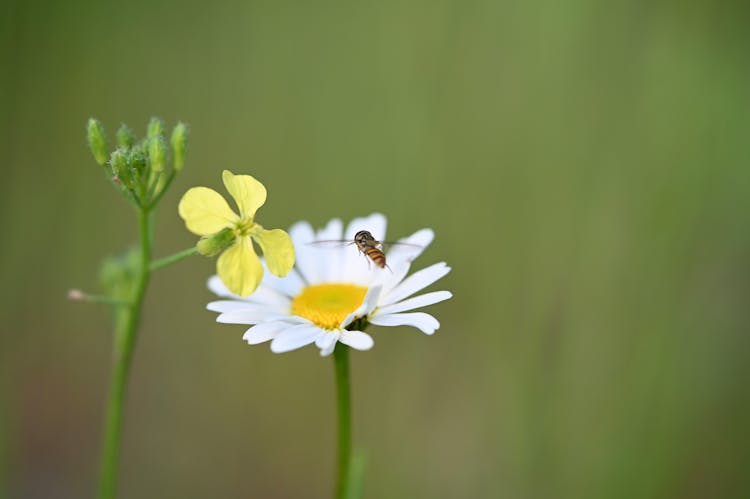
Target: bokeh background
(585,165)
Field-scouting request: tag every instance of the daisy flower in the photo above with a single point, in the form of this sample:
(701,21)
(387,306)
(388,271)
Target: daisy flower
(333,293)
(206,213)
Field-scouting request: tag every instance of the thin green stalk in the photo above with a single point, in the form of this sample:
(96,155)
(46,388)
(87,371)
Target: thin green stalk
(164,188)
(343,397)
(169,260)
(125,336)
(78,295)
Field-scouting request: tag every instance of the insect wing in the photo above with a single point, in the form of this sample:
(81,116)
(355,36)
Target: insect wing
(399,245)
(331,243)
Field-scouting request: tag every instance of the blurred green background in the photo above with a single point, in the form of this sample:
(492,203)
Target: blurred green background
(585,165)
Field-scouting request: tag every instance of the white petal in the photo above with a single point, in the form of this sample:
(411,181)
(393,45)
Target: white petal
(368,305)
(424,322)
(422,238)
(325,352)
(301,232)
(357,340)
(217,287)
(416,302)
(264,331)
(222,306)
(416,244)
(375,224)
(390,280)
(271,301)
(328,257)
(295,337)
(415,282)
(400,256)
(307,259)
(270,296)
(272,290)
(249,314)
(371,300)
(333,231)
(326,342)
(296,319)
(289,286)
(355,267)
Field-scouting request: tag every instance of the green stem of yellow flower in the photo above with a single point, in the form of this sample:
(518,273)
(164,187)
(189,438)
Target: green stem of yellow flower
(153,184)
(125,336)
(164,189)
(169,260)
(343,397)
(130,195)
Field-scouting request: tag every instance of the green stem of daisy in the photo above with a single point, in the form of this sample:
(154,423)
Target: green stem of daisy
(126,328)
(169,260)
(343,397)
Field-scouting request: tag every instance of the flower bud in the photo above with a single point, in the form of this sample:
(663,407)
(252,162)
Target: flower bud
(125,136)
(179,142)
(213,245)
(155,128)
(157,154)
(137,161)
(119,163)
(97,141)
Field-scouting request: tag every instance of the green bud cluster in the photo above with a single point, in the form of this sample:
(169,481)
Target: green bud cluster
(142,170)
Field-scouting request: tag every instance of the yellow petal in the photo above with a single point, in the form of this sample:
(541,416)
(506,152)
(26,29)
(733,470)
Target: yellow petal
(278,251)
(239,268)
(205,212)
(248,193)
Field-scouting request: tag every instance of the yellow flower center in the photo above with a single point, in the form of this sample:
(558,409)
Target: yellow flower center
(328,304)
(246,227)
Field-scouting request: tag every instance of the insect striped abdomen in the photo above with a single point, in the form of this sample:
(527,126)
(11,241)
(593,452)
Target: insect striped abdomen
(376,256)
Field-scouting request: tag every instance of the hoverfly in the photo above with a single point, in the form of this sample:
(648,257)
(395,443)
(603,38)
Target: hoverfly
(368,246)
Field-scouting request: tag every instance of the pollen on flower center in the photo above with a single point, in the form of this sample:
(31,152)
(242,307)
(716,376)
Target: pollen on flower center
(328,304)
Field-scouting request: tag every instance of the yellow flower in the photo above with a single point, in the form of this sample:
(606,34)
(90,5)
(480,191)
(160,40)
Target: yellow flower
(206,213)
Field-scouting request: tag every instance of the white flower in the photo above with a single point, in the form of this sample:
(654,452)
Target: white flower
(330,289)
